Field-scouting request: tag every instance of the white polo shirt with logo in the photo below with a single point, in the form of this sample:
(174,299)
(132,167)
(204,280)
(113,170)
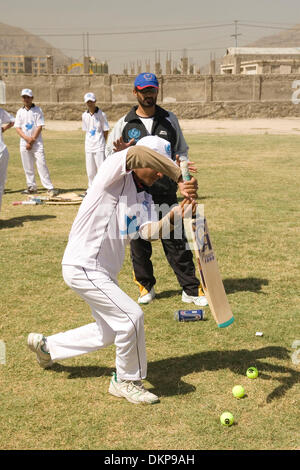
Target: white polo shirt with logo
(110,215)
(28,120)
(94,125)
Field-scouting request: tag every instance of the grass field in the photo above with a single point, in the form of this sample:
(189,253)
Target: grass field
(250,188)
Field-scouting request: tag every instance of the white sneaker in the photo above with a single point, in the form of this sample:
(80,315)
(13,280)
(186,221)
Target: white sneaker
(200,300)
(35,342)
(147,297)
(133,391)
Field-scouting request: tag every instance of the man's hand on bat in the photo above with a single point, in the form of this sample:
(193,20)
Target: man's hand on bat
(119,144)
(188,189)
(187,208)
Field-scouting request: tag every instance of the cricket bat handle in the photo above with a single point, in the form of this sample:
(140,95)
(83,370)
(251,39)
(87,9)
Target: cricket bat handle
(29,203)
(185,170)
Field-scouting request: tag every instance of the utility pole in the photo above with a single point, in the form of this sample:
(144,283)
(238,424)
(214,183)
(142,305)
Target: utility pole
(236,34)
(83,45)
(87,45)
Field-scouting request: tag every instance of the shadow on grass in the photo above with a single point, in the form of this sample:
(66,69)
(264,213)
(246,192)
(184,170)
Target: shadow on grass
(166,375)
(18,221)
(82,372)
(70,190)
(251,284)
(12,191)
(168,293)
(170,383)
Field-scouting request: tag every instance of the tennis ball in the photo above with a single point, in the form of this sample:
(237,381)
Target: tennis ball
(252,372)
(226,418)
(238,391)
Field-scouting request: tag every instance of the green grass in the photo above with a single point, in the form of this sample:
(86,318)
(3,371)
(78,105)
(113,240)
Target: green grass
(250,188)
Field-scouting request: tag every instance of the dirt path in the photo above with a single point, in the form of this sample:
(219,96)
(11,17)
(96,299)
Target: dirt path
(210,126)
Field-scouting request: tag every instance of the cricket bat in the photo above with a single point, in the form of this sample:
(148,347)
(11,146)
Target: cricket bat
(62,199)
(199,239)
(25,203)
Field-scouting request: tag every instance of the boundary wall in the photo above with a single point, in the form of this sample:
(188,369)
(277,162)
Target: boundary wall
(189,96)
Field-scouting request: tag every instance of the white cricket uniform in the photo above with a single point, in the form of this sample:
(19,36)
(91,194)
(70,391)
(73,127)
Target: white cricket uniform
(5,118)
(28,121)
(112,212)
(94,125)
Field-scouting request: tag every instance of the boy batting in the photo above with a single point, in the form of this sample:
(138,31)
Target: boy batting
(115,209)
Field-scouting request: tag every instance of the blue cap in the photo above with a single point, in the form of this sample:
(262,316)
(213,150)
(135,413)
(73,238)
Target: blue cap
(144,80)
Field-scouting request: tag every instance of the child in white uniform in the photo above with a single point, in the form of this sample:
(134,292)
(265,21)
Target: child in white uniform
(94,123)
(115,209)
(29,124)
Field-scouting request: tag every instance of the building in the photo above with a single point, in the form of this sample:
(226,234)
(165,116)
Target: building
(261,60)
(99,68)
(10,64)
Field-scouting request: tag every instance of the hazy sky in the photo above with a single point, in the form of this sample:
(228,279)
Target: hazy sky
(203,27)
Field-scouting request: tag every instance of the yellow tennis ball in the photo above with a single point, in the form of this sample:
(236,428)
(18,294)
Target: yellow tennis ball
(238,391)
(227,418)
(252,372)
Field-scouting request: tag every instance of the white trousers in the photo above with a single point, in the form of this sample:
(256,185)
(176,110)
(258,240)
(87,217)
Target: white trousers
(4,156)
(119,321)
(93,161)
(29,157)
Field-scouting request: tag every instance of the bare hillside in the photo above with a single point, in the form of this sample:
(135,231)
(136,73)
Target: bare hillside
(288,38)
(17,41)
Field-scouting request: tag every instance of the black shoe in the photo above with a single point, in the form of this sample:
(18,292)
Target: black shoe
(30,190)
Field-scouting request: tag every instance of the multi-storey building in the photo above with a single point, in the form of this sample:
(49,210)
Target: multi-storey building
(36,65)
(261,60)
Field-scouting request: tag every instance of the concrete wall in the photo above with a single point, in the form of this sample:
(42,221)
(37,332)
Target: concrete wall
(190,96)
